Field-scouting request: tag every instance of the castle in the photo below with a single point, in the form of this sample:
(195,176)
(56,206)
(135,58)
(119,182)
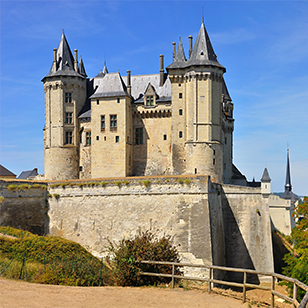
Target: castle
(170,123)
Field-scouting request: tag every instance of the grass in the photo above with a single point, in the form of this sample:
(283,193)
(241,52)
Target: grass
(50,260)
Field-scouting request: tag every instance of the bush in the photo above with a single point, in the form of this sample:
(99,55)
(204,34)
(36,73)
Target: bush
(297,262)
(144,246)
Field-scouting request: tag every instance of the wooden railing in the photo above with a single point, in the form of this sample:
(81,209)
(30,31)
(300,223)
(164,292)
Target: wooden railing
(210,280)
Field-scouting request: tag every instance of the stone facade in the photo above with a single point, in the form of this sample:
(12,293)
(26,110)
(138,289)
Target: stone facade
(179,122)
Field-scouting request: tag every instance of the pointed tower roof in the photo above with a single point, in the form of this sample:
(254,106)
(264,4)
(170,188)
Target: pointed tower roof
(63,64)
(103,72)
(180,55)
(202,53)
(265,176)
(288,194)
(81,69)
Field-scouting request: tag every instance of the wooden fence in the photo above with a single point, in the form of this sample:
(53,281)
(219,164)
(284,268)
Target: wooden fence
(210,280)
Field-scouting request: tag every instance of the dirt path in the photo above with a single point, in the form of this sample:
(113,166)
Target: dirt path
(17,294)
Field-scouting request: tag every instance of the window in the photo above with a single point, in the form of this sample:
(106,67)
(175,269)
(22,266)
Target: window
(180,112)
(88,138)
(97,137)
(97,102)
(102,123)
(180,95)
(214,161)
(80,168)
(113,122)
(150,100)
(118,100)
(165,137)
(139,135)
(225,140)
(68,97)
(180,134)
(68,117)
(68,137)
(214,152)
(117,139)
(180,85)
(195,170)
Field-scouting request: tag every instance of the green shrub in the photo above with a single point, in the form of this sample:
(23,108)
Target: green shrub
(181,181)
(146,183)
(144,246)
(118,183)
(24,186)
(12,187)
(126,182)
(57,196)
(103,184)
(187,181)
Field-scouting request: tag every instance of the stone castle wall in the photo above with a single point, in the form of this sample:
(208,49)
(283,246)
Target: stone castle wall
(24,208)
(210,223)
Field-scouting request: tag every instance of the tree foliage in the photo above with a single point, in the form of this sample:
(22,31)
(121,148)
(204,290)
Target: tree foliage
(128,253)
(297,262)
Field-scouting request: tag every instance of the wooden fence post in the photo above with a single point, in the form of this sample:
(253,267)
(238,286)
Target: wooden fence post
(210,278)
(244,287)
(294,295)
(172,276)
(272,295)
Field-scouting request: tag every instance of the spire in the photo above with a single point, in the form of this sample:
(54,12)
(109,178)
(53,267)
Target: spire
(81,69)
(203,49)
(265,176)
(105,70)
(180,55)
(63,64)
(288,187)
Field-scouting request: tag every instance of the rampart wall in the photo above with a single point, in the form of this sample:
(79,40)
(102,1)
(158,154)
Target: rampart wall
(210,223)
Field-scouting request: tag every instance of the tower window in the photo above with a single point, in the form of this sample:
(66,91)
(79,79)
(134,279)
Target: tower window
(180,134)
(195,170)
(102,123)
(118,100)
(80,168)
(214,161)
(113,122)
(68,117)
(165,137)
(180,111)
(97,137)
(180,85)
(97,102)
(88,138)
(139,135)
(68,137)
(149,100)
(214,152)
(117,139)
(180,95)
(225,140)
(68,97)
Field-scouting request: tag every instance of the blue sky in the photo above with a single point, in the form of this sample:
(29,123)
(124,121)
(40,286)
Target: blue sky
(262,44)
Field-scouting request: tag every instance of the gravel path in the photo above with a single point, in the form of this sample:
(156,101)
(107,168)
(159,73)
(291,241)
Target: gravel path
(18,294)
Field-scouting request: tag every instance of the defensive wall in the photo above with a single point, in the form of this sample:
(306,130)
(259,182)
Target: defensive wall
(211,223)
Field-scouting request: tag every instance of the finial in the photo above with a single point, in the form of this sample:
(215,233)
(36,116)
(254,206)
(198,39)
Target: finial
(180,39)
(63,31)
(202,15)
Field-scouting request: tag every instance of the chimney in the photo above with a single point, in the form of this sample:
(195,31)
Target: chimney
(173,50)
(76,61)
(129,87)
(54,64)
(190,45)
(161,71)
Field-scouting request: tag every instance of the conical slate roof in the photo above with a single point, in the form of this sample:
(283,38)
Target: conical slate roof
(202,53)
(81,69)
(265,176)
(180,55)
(64,61)
(288,194)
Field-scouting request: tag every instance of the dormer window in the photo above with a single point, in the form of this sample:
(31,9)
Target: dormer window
(149,100)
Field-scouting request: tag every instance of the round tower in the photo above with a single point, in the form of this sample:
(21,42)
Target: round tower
(65,95)
(197,88)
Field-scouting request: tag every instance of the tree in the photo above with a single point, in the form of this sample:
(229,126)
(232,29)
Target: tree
(297,262)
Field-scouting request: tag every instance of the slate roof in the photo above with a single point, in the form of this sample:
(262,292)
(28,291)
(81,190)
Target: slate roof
(6,172)
(265,176)
(288,194)
(111,85)
(65,61)
(28,174)
(86,114)
(202,53)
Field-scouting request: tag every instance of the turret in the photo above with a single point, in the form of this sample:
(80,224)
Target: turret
(65,95)
(265,183)
(197,145)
